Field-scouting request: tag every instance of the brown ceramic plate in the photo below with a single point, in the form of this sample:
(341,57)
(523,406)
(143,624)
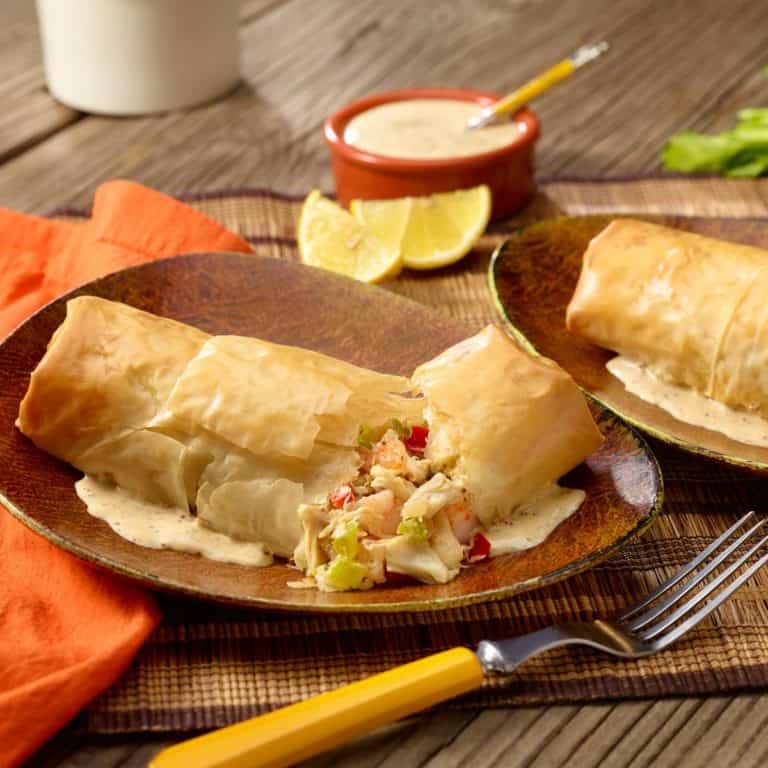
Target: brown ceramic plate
(289,303)
(532,277)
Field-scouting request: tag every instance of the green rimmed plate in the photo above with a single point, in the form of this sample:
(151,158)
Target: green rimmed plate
(290,303)
(532,277)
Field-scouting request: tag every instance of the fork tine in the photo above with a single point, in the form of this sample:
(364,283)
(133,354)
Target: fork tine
(668,621)
(659,608)
(706,609)
(685,570)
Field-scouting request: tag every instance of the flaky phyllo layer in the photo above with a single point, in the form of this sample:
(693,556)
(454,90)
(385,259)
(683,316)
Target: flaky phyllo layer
(353,475)
(690,309)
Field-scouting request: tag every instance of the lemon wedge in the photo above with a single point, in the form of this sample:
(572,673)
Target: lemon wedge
(431,231)
(333,239)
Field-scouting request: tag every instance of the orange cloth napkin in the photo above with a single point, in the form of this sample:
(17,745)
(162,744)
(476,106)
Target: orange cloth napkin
(67,631)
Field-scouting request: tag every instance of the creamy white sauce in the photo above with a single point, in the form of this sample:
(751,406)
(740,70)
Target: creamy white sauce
(427,128)
(531,523)
(157,527)
(687,405)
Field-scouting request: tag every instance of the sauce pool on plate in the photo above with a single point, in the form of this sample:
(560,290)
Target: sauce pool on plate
(430,129)
(158,527)
(687,405)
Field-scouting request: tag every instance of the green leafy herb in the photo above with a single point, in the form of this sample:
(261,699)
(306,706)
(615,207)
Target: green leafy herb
(414,530)
(741,152)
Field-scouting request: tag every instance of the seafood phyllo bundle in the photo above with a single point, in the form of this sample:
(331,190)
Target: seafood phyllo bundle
(688,317)
(239,449)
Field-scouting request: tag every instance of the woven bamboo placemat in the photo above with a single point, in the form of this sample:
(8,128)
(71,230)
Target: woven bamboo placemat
(207,665)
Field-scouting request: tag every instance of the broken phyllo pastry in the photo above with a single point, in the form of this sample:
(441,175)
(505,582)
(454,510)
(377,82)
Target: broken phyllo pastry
(242,450)
(476,479)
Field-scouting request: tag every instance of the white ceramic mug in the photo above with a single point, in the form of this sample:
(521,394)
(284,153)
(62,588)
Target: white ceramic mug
(127,57)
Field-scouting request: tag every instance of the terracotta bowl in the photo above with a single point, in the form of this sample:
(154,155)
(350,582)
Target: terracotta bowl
(508,171)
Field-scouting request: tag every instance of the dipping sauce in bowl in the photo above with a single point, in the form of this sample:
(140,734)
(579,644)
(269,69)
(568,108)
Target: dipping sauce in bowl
(428,129)
(413,142)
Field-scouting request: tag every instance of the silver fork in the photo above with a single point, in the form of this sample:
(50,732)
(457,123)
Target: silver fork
(643,629)
(289,735)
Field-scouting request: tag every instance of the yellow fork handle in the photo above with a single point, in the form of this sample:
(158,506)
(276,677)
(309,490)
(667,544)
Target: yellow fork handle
(289,735)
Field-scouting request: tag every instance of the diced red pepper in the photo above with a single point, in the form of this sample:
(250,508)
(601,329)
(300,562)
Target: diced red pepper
(343,495)
(417,441)
(480,548)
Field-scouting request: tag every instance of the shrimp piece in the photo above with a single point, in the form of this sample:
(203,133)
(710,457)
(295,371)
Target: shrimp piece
(462,520)
(392,454)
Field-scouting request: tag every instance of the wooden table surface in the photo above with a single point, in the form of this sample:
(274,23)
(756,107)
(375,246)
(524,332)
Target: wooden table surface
(673,65)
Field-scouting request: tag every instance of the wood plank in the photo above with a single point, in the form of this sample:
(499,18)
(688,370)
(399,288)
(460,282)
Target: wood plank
(28,113)
(301,61)
(485,739)
(722,737)
(747,743)
(509,737)
(71,751)
(598,747)
(698,741)
(672,733)
(558,751)
(674,720)
(407,743)
(625,752)
(553,721)
(250,10)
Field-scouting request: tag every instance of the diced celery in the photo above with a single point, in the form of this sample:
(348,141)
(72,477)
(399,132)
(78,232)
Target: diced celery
(414,530)
(400,428)
(344,573)
(345,544)
(366,436)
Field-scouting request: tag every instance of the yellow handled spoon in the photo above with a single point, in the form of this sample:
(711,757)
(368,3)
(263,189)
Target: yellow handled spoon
(538,85)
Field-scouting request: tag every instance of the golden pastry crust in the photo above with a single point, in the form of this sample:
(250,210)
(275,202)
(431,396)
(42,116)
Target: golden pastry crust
(692,309)
(183,419)
(509,422)
(107,370)
(246,432)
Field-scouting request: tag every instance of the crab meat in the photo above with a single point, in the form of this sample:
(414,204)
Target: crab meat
(386,479)
(417,470)
(379,514)
(309,553)
(436,493)
(373,554)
